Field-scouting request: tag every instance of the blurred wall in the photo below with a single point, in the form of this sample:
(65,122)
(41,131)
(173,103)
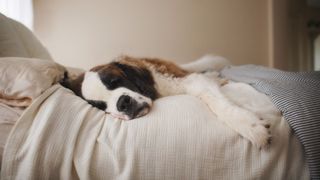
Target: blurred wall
(82,33)
(279,33)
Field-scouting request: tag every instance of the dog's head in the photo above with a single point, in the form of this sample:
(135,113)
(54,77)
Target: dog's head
(122,89)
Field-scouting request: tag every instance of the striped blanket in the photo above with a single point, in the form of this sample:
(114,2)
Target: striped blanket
(297,95)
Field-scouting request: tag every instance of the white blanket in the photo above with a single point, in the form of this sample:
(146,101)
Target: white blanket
(8,117)
(60,136)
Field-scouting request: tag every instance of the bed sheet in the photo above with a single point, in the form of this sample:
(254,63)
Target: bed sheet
(8,117)
(179,139)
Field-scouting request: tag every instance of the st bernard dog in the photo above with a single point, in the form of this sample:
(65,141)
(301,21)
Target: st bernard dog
(126,88)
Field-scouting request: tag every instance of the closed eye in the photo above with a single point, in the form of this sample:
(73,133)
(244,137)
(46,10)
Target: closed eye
(110,81)
(98,104)
(113,83)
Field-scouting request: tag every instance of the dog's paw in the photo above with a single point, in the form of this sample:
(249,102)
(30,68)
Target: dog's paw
(259,135)
(255,129)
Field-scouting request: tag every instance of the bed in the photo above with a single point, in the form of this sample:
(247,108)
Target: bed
(49,133)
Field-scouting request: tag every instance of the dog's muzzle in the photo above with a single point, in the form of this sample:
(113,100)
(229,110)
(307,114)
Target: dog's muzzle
(131,107)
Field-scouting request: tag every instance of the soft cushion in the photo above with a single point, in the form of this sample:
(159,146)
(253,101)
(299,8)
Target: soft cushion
(18,41)
(23,79)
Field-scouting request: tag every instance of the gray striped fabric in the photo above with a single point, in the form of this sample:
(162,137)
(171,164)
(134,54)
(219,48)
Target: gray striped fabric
(297,95)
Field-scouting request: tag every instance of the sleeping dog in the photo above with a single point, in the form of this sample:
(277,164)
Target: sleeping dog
(126,88)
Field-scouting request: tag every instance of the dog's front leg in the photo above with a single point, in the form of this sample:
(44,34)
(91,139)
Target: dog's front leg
(239,119)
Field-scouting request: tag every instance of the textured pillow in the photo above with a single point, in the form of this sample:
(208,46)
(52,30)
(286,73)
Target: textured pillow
(18,41)
(24,79)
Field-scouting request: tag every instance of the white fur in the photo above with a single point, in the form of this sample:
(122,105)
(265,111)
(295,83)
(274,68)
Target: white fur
(232,108)
(242,120)
(167,85)
(93,89)
(247,97)
(206,63)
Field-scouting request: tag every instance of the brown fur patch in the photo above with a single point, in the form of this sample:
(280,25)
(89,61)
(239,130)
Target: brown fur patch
(108,68)
(161,66)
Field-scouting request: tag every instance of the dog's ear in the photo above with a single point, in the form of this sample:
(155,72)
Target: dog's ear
(64,82)
(73,84)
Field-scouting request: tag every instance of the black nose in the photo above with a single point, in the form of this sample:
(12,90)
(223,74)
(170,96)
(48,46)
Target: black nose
(125,104)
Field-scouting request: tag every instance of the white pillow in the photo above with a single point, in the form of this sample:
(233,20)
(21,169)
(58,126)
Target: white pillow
(24,79)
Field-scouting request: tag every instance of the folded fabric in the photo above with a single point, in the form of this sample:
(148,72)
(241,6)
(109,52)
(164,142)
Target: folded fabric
(61,136)
(297,96)
(24,79)
(8,117)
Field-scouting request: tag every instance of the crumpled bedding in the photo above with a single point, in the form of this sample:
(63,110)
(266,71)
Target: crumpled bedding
(8,117)
(297,96)
(60,136)
(24,79)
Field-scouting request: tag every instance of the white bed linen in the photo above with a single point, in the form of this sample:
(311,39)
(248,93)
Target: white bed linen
(8,117)
(60,136)
(24,79)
